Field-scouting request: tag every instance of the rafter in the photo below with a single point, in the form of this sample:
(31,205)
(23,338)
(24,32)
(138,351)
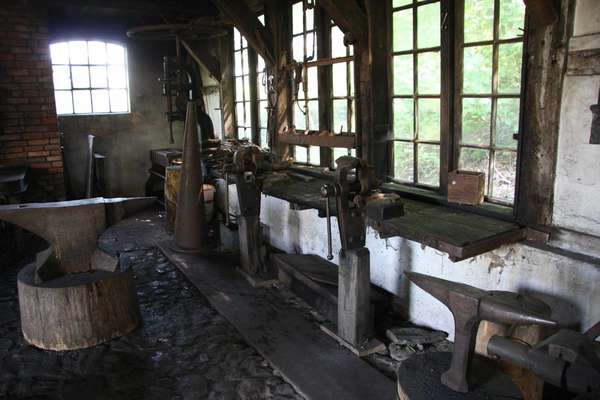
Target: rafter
(202,56)
(245,20)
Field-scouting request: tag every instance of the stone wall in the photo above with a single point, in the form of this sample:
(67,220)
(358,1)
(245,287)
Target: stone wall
(28,125)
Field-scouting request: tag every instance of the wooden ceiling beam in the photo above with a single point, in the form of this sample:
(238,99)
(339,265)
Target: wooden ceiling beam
(202,56)
(246,21)
(348,15)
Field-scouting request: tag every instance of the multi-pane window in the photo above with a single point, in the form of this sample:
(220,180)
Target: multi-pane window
(263,103)
(489,92)
(488,48)
(343,103)
(306,106)
(90,77)
(416,91)
(242,86)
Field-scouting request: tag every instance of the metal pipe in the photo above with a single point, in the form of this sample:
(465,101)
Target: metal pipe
(226,199)
(547,368)
(329,244)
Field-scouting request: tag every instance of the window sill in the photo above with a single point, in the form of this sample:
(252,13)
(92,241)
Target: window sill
(460,233)
(493,210)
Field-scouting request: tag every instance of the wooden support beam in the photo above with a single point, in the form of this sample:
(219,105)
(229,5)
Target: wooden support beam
(279,21)
(246,21)
(324,141)
(348,15)
(225,47)
(323,27)
(201,55)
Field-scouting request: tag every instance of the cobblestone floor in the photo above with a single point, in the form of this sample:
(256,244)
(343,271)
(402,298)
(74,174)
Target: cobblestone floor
(183,350)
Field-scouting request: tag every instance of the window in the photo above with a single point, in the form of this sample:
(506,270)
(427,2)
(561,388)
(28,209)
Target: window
(306,106)
(488,47)
(343,104)
(90,77)
(242,86)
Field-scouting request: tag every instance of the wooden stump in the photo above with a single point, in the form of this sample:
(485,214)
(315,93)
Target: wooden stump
(419,379)
(77,310)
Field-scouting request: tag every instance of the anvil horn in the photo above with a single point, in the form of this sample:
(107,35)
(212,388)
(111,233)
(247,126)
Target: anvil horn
(441,288)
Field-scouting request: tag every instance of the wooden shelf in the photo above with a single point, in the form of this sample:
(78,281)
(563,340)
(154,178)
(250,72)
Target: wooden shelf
(458,233)
(314,139)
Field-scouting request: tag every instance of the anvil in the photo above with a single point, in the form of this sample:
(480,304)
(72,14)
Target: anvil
(469,305)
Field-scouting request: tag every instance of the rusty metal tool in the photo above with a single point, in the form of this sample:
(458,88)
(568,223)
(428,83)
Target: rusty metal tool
(469,305)
(567,359)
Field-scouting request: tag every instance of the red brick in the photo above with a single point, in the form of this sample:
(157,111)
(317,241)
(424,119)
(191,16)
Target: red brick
(54,158)
(40,165)
(37,154)
(7,57)
(16,100)
(16,156)
(56,163)
(8,138)
(37,142)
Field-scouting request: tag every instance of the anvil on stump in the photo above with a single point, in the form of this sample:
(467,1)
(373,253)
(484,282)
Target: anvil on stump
(74,295)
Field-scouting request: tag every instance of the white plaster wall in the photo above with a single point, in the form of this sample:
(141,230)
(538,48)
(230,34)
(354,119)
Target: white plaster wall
(577,185)
(571,287)
(587,17)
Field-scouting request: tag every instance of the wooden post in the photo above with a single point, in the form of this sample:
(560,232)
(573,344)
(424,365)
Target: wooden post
(323,28)
(353,295)
(279,21)
(250,244)
(227,85)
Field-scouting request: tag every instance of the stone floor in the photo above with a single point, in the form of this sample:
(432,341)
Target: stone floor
(183,350)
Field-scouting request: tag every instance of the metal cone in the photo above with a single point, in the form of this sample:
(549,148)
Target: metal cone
(190,221)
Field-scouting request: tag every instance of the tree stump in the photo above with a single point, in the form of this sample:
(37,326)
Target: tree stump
(419,378)
(77,310)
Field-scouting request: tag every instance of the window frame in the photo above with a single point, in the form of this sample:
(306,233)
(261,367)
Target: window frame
(451,47)
(245,77)
(90,88)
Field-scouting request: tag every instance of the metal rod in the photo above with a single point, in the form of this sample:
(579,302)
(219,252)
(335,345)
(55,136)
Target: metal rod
(328,214)
(226,199)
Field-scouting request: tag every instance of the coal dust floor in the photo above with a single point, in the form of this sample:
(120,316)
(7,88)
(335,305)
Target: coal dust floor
(183,350)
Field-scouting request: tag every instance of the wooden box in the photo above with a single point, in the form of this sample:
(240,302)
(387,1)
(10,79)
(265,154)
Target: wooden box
(466,187)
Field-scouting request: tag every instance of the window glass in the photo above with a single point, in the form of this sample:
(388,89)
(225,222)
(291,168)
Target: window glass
(306,105)
(491,90)
(342,77)
(487,92)
(417,92)
(242,99)
(90,77)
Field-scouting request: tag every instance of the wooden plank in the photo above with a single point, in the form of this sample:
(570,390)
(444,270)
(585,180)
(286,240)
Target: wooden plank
(311,361)
(323,26)
(377,129)
(326,140)
(544,60)
(298,191)
(246,21)
(279,22)
(459,233)
(225,46)
(200,54)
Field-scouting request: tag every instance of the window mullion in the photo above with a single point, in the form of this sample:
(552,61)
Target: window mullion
(415,98)
(495,55)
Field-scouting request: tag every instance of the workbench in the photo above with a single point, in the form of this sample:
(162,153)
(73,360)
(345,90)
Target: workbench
(458,233)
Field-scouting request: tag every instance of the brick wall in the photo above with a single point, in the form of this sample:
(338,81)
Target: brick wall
(28,123)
